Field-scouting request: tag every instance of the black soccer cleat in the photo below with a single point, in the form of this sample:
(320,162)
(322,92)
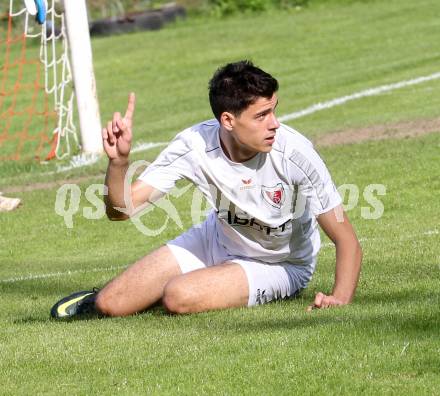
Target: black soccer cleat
(78,303)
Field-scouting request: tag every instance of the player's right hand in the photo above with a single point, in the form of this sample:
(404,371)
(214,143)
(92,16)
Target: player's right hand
(324,301)
(117,135)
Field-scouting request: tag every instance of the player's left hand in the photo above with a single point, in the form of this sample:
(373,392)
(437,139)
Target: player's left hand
(324,301)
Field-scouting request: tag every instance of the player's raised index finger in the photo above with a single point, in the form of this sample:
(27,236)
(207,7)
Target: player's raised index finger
(131,104)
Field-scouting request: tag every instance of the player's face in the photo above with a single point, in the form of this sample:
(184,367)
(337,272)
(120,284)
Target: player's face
(255,128)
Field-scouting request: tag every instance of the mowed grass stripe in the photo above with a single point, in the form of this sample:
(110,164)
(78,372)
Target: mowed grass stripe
(384,343)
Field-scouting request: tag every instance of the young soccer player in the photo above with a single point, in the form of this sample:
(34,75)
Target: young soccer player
(269,190)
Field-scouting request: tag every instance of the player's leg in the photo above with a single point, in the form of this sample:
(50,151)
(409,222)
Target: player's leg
(213,279)
(243,282)
(142,284)
(217,287)
(139,286)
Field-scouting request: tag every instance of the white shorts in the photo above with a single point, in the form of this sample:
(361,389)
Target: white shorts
(199,248)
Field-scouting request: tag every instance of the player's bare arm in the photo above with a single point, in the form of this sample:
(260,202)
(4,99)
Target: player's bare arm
(117,138)
(348,259)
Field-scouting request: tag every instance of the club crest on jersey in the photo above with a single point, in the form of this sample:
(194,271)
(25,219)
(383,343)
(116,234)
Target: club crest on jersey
(274,196)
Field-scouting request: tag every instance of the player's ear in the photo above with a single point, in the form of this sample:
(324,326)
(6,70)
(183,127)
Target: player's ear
(227,120)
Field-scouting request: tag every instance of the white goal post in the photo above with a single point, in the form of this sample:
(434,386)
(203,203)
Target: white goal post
(83,75)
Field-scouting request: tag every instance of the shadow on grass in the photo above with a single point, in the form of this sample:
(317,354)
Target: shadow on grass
(415,324)
(401,296)
(384,325)
(390,312)
(39,288)
(156,310)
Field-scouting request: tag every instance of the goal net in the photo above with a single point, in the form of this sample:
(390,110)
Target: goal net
(36,89)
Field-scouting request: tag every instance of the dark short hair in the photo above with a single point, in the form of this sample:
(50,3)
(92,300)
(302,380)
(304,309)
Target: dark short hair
(237,85)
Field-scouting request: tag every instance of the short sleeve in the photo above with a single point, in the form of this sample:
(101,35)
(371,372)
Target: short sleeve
(315,183)
(172,164)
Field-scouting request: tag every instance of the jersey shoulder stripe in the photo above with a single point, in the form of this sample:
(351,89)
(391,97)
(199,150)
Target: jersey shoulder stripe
(299,151)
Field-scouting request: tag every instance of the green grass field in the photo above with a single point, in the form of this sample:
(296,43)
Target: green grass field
(386,342)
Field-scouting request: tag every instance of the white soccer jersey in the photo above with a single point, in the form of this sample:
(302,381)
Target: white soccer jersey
(265,208)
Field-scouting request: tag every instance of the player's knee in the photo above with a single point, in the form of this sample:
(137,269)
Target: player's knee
(107,305)
(176,298)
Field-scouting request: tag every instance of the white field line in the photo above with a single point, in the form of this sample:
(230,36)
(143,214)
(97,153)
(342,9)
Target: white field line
(357,95)
(31,277)
(78,161)
(84,160)
(147,146)
(404,238)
